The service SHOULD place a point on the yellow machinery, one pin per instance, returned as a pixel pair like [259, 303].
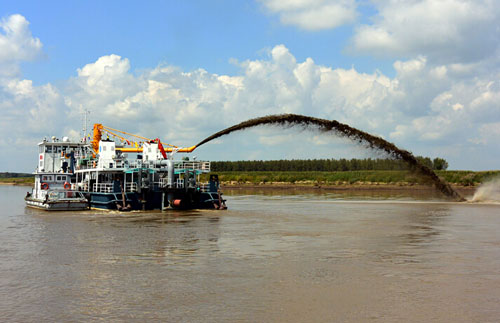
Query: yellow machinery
[99, 128]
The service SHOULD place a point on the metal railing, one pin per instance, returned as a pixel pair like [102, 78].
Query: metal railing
[202, 166]
[192, 165]
[179, 183]
[64, 195]
[130, 187]
[204, 187]
[94, 163]
[108, 187]
[163, 182]
[136, 164]
[103, 187]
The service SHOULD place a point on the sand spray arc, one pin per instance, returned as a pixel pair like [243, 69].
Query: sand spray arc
[343, 130]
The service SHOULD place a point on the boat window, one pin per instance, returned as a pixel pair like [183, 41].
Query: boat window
[103, 148]
[44, 178]
[59, 178]
[48, 149]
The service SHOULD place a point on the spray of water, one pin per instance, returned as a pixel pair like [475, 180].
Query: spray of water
[343, 130]
[488, 192]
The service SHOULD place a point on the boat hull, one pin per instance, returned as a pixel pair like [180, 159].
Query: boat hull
[156, 200]
[57, 205]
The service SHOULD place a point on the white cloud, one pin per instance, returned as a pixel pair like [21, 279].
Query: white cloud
[459, 113]
[446, 31]
[313, 14]
[16, 45]
[23, 106]
[422, 103]
[489, 133]
[16, 41]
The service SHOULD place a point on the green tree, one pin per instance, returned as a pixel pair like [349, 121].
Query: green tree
[439, 164]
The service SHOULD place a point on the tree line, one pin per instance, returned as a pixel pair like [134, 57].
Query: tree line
[12, 175]
[327, 165]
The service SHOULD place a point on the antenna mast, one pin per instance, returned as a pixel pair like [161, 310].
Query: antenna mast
[85, 120]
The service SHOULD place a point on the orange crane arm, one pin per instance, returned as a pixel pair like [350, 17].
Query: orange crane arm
[97, 137]
[99, 128]
[168, 150]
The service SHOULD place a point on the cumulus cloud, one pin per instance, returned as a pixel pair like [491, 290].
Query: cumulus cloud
[20, 102]
[457, 110]
[423, 102]
[29, 113]
[26, 110]
[16, 41]
[16, 45]
[313, 14]
[447, 31]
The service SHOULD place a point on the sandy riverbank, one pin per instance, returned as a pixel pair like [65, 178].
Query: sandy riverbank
[464, 190]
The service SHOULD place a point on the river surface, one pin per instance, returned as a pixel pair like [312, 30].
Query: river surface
[272, 257]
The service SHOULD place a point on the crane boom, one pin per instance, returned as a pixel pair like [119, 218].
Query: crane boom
[168, 150]
[99, 128]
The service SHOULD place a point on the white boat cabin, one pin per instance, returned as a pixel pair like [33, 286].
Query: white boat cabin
[56, 165]
[58, 156]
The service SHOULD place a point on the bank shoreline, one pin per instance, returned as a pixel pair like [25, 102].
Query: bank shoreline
[16, 184]
[470, 189]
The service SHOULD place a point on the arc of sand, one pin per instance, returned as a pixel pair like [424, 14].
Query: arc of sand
[347, 131]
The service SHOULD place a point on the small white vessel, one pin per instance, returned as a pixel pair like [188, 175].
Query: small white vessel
[58, 200]
[52, 190]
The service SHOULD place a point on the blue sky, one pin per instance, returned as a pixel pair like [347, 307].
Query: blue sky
[422, 74]
[189, 34]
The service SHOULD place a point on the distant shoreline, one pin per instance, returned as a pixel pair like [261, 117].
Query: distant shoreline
[16, 184]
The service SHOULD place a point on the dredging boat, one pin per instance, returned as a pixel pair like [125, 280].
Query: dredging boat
[120, 174]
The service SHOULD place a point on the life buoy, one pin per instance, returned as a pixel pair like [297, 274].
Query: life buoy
[67, 186]
[44, 186]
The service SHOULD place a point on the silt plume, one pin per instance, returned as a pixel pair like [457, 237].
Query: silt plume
[343, 130]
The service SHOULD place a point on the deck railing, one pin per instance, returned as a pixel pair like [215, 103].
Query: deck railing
[202, 166]
[64, 195]
[103, 187]
[204, 187]
[130, 187]
[192, 165]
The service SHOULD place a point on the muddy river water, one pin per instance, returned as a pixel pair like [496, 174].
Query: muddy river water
[282, 257]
